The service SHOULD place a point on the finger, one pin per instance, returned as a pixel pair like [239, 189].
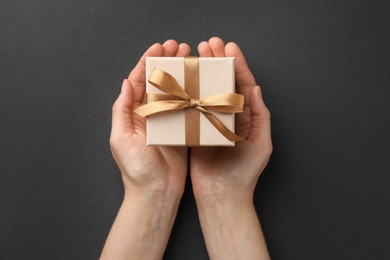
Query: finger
[217, 47]
[137, 75]
[183, 50]
[155, 50]
[204, 49]
[260, 132]
[244, 76]
[122, 110]
[170, 48]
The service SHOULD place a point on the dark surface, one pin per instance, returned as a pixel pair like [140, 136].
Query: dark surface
[324, 69]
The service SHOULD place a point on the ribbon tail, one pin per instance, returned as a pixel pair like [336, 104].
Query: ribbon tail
[220, 126]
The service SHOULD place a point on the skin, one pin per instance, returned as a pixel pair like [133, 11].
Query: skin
[223, 179]
[153, 177]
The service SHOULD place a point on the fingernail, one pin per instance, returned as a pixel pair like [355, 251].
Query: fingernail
[259, 91]
[124, 85]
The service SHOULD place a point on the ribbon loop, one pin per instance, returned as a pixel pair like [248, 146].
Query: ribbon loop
[167, 83]
[178, 98]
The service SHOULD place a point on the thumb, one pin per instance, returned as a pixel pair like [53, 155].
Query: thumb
[260, 132]
[122, 110]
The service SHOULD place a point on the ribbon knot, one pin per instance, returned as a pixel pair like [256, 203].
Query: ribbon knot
[194, 103]
[177, 98]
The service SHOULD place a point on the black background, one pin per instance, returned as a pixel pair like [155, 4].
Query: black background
[324, 70]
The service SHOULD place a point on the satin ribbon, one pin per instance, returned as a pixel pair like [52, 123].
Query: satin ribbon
[178, 98]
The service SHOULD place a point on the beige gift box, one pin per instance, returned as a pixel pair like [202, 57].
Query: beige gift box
[216, 76]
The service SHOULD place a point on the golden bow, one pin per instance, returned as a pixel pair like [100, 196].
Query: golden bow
[178, 98]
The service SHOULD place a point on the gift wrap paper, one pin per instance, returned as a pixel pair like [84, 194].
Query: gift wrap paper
[216, 76]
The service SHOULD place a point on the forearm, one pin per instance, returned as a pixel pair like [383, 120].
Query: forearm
[231, 229]
[142, 227]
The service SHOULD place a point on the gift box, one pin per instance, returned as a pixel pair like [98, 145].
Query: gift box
[191, 101]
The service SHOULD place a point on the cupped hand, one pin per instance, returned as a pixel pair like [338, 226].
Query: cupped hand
[232, 172]
[145, 170]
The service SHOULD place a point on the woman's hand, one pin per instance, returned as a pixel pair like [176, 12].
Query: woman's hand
[145, 169]
[224, 171]
[153, 177]
[224, 178]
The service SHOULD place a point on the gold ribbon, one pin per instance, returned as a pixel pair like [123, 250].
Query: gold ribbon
[187, 99]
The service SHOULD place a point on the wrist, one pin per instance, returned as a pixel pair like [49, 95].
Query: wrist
[148, 186]
[169, 200]
[142, 227]
[223, 196]
[231, 228]
[225, 203]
